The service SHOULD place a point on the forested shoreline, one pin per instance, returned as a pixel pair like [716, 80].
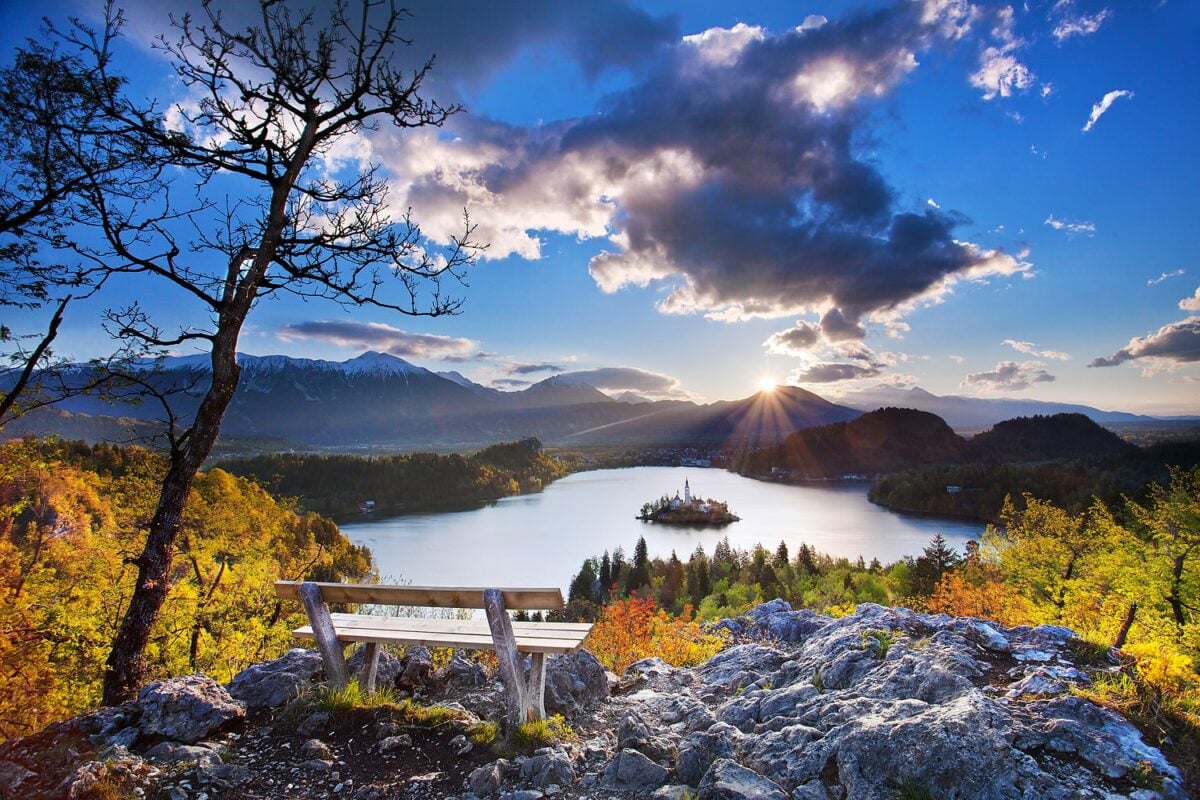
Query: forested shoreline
[339, 485]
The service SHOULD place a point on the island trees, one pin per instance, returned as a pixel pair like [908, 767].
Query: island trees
[250, 200]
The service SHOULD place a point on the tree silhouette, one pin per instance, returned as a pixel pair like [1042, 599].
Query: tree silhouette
[248, 200]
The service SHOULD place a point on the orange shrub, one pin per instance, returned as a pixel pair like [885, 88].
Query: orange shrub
[987, 598]
[633, 629]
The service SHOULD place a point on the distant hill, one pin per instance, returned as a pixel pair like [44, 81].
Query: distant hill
[1042, 438]
[976, 413]
[763, 419]
[882, 441]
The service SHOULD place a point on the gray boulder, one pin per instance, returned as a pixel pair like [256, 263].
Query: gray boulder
[740, 666]
[574, 682]
[463, 672]
[634, 734]
[314, 723]
[487, 779]
[276, 682]
[726, 780]
[548, 768]
[172, 753]
[697, 753]
[186, 709]
[630, 771]
[386, 669]
[416, 667]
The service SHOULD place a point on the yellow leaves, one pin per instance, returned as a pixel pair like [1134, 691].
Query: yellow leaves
[633, 629]
[987, 598]
[71, 516]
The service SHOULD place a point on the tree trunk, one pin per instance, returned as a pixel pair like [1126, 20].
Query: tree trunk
[126, 665]
[1122, 634]
[1175, 600]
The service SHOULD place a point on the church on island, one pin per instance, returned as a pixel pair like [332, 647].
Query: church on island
[687, 510]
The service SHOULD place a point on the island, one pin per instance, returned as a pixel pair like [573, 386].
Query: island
[687, 510]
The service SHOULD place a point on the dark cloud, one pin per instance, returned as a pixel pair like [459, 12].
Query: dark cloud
[378, 336]
[1009, 376]
[1178, 342]
[513, 383]
[832, 372]
[629, 379]
[794, 341]
[526, 369]
[474, 40]
[732, 171]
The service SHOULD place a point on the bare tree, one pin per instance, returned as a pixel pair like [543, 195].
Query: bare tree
[259, 210]
[58, 150]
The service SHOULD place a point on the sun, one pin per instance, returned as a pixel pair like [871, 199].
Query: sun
[766, 385]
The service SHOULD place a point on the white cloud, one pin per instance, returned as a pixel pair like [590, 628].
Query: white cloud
[1164, 276]
[1071, 228]
[1001, 72]
[932, 203]
[1105, 102]
[1081, 25]
[1029, 348]
[1191, 303]
[1009, 376]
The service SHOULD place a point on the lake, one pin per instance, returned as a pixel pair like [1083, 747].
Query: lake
[541, 539]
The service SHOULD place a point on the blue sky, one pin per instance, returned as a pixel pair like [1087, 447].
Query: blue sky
[838, 195]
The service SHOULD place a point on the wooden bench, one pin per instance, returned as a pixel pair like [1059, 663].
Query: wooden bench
[511, 640]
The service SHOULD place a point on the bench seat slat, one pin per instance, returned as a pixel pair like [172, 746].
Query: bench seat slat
[448, 639]
[516, 599]
[473, 625]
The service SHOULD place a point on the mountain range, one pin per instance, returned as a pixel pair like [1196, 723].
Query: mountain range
[377, 400]
[380, 401]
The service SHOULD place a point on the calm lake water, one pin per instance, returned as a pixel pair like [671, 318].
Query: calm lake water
[541, 539]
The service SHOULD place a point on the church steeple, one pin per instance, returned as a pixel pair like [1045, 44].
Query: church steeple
[687, 491]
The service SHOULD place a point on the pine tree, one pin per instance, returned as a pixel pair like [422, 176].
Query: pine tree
[606, 578]
[618, 569]
[583, 586]
[781, 555]
[805, 561]
[638, 575]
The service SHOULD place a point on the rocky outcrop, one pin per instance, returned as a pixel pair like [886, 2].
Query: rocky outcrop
[884, 701]
[575, 682]
[277, 682]
[878, 704]
[186, 709]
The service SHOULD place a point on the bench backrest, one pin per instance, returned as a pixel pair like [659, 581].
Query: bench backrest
[523, 599]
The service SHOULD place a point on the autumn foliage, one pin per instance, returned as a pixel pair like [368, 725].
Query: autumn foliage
[71, 519]
[635, 628]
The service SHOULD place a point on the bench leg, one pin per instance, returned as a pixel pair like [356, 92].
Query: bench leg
[535, 690]
[332, 657]
[519, 699]
[370, 665]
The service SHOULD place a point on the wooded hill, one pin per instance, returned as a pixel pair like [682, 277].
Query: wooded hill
[926, 467]
[335, 484]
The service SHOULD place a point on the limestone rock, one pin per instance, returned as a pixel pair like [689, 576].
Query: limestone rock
[172, 753]
[634, 734]
[415, 668]
[315, 748]
[277, 682]
[463, 672]
[630, 771]
[487, 779]
[726, 780]
[574, 682]
[186, 709]
[314, 723]
[546, 768]
[697, 753]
